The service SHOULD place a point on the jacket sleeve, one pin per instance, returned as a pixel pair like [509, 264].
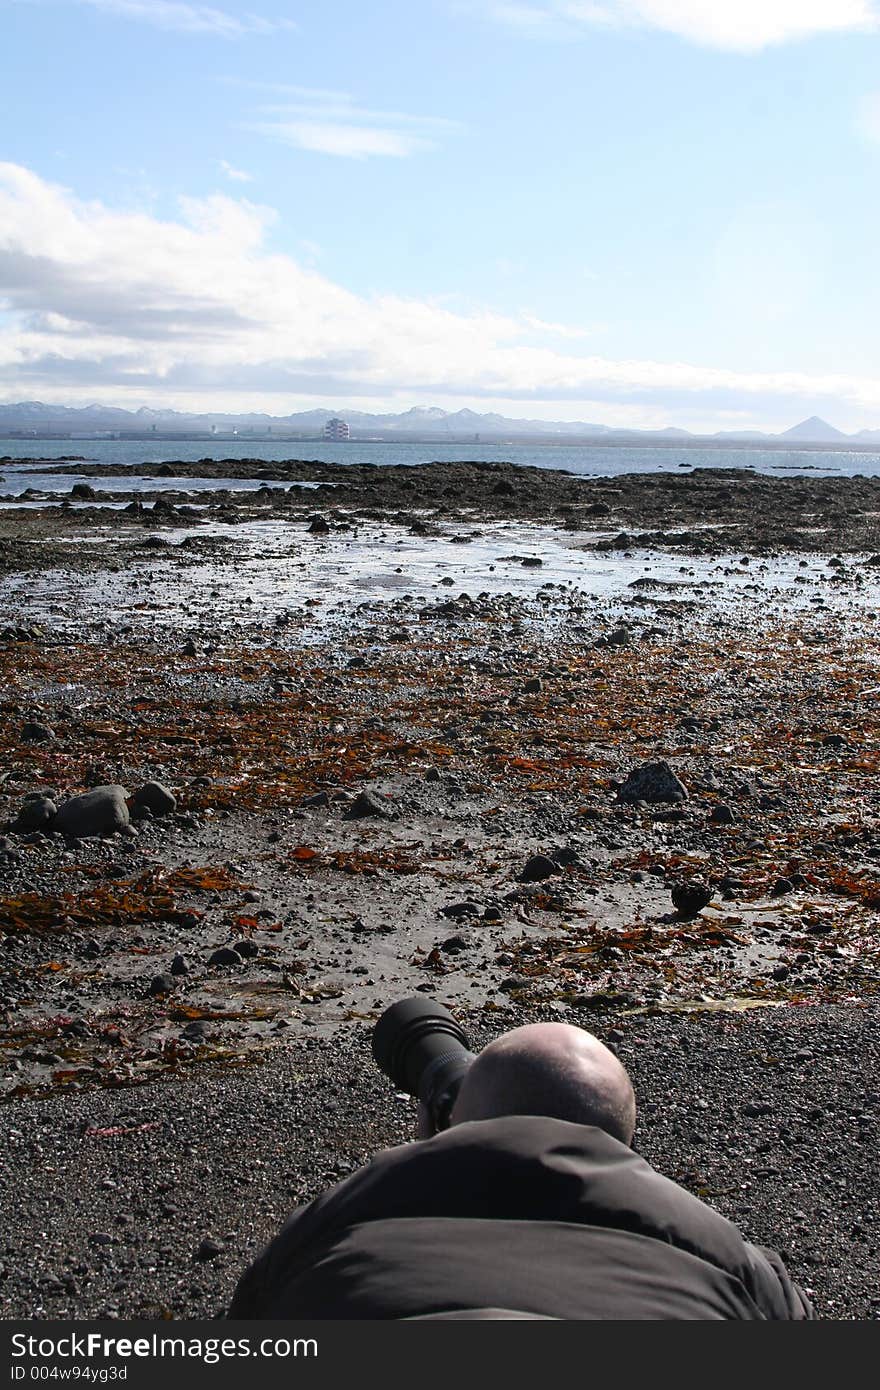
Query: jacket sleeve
[768, 1263]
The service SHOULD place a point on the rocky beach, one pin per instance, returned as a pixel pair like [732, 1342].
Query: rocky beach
[285, 742]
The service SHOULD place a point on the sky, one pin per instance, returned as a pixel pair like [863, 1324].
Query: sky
[627, 212]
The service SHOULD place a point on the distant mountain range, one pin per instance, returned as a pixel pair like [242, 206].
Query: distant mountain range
[36, 420]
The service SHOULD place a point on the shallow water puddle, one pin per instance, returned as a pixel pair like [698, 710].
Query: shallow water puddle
[272, 568]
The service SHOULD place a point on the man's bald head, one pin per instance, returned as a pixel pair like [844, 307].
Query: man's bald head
[549, 1069]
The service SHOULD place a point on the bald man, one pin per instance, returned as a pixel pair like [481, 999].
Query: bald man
[531, 1205]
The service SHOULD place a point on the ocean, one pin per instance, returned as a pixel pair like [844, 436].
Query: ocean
[592, 460]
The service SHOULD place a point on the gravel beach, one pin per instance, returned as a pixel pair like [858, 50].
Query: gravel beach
[598, 750]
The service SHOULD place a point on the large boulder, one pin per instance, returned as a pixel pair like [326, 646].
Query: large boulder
[652, 782]
[102, 811]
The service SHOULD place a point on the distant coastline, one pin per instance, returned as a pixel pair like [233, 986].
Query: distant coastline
[772, 444]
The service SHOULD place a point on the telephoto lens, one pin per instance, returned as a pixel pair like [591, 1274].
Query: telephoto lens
[420, 1046]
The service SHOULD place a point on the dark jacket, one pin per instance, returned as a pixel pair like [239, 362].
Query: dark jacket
[531, 1216]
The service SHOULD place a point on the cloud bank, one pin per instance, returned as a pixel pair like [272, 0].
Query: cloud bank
[98, 303]
[741, 26]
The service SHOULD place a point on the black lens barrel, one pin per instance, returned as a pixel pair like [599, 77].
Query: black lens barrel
[410, 1036]
[421, 1047]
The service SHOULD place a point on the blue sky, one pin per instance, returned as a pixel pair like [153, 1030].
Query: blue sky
[636, 212]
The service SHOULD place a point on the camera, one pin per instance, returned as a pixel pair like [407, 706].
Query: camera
[421, 1047]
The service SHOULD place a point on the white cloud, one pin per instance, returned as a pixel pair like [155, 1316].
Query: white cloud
[333, 123]
[339, 138]
[235, 175]
[104, 303]
[738, 25]
[556, 330]
[185, 18]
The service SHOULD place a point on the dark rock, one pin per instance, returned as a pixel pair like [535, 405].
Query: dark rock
[722, 815]
[101, 811]
[365, 804]
[225, 955]
[691, 897]
[605, 999]
[246, 948]
[531, 562]
[196, 1031]
[84, 492]
[453, 945]
[319, 799]
[781, 886]
[155, 798]
[161, 984]
[464, 909]
[533, 686]
[318, 526]
[37, 733]
[652, 782]
[537, 868]
[754, 1109]
[35, 813]
[179, 965]
[210, 1249]
[565, 855]
[432, 775]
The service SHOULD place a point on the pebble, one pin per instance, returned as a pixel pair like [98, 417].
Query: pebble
[537, 868]
[652, 782]
[34, 732]
[319, 799]
[462, 909]
[225, 955]
[210, 1248]
[156, 798]
[755, 1109]
[365, 804]
[690, 897]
